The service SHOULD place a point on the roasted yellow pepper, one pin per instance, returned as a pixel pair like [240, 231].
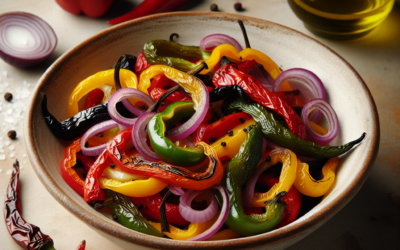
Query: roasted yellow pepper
[286, 179]
[137, 188]
[307, 185]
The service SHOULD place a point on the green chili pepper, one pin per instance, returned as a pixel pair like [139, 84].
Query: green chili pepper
[282, 136]
[127, 214]
[173, 54]
[237, 174]
[164, 147]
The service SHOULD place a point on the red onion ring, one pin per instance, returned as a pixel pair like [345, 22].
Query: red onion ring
[139, 137]
[39, 39]
[309, 85]
[326, 109]
[248, 190]
[196, 216]
[194, 122]
[221, 219]
[94, 151]
[212, 41]
[176, 190]
[122, 94]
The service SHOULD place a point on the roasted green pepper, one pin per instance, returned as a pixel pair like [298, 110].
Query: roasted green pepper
[164, 147]
[127, 214]
[173, 54]
[237, 174]
[277, 133]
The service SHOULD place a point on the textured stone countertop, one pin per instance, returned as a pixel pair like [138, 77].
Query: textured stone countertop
[370, 221]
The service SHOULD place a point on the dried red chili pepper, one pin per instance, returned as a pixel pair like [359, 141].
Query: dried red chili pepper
[229, 75]
[26, 235]
[292, 199]
[151, 206]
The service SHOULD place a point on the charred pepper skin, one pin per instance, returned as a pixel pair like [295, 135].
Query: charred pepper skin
[237, 174]
[125, 62]
[275, 132]
[127, 214]
[77, 125]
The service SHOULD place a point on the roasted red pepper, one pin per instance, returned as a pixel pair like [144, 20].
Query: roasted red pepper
[160, 84]
[149, 7]
[141, 64]
[229, 75]
[91, 8]
[292, 199]
[151, 206]
[94, 98]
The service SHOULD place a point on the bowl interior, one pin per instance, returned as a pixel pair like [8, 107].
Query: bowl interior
[347, 93]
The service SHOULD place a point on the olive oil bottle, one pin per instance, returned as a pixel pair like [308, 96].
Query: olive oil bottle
[343, 19]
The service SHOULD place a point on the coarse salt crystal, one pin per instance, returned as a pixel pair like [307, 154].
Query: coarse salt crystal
[9, 172]
[7, 143]
[1, 150]
[2, 157]
[12, 155]
[24, 155]
[11, 147]
[1, 170]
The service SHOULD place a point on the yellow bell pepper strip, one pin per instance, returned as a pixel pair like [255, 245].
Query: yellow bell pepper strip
[128, 80]
[135, 188]
[192, 231]
[307, 185]
[116, 173]
[317, 128]
[286, 179]
[226, 234]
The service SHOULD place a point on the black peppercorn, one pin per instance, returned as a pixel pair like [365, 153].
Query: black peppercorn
[12, 134]
[211, 140]
[230, 133]
[112, 165]
[268, 159]
[214, 7]
[223, 144]
[238, 6]
[143, 107]
[241, 120]
[245, 130]
[8, 97]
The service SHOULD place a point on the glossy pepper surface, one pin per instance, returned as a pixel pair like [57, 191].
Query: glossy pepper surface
[229, 75]
[307, 185]
[164, 147]
[150, 206]
[91, 8]
[131, 162]
[276, 133]
[68, 172]
[286, 179]
[127, 214]
[237, 174]
[127, 77]
[134, 188]
[173, 54]
[160, 84]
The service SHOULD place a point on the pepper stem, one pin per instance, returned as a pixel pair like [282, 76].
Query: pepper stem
[157, 104]
[171, 37]
[163, 215]
[246, 39]
[198, 68]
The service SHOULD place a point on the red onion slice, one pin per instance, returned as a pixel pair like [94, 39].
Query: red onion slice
[139, 137]
[221, 219]
[326, 109]
[212, 41]
[122, 94]
[176, 190]
[25, 39]
[196, 216]
[248, 190]
[94, 151]
[309, 85]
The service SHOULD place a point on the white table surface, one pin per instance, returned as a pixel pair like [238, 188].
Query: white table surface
[370, 221]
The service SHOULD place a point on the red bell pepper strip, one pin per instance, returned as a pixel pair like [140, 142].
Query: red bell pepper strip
[160, 84]
[229, 75]
[67, 172]
[141, 64]
[131, 162]
[91, 8]
[292, 199]
[148, 7]
[94, 98]
[151, 206]
[86, 161]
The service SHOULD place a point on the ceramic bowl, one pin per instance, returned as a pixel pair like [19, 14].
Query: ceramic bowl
[347, 93]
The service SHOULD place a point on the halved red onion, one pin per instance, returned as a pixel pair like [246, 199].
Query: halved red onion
[221, 219]
[176, 190]
[326, 109]
[25, 39]
[309, 85]
[122, 94]
[201, 106]
[139, 137]
[212, 41]
[98, 128]
[196, 216]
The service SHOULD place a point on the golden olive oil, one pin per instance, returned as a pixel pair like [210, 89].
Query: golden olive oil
[341, 18]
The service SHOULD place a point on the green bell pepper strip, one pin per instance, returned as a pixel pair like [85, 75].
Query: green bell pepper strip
[127, 214]
[164, 147]
[237, 174]
[173, 54]
[277, 133]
